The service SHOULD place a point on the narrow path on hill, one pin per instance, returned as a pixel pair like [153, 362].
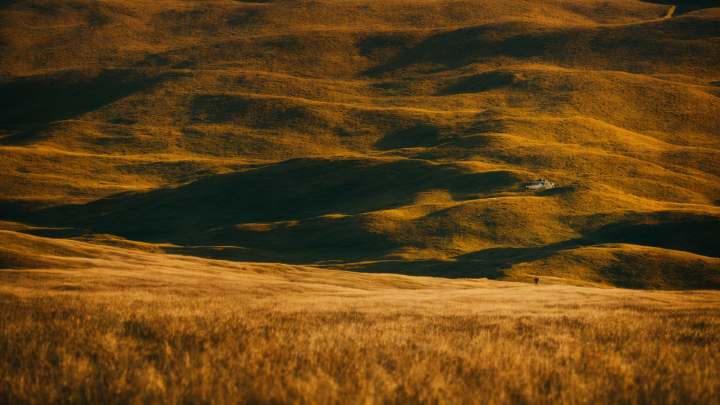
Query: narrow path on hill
[670, 12]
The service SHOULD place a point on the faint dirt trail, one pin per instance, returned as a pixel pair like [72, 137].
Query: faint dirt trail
[670, 12]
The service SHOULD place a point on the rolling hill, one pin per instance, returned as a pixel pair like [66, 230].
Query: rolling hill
[392, 136]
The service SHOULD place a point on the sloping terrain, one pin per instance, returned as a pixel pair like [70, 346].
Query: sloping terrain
[87, 324]
[392, 136]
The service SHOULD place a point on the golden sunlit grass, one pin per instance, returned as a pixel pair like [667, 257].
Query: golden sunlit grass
[378, 136]
[121, 326]
[369, 134]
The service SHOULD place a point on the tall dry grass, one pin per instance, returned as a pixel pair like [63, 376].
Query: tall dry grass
[192, 331]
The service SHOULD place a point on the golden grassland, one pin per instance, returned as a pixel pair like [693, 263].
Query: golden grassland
[158, 157]
[98, 324]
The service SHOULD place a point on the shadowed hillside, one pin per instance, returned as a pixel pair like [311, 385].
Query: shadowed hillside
[376, 136]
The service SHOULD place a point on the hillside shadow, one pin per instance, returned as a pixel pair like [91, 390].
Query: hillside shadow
[257, 112]
[417, 136]
[562, 46]
[499, 259]
[347, 239]
[430, 268]
[461, 47]
[688, 232]
[698, 234]
[57, 233]
[480, 83]
[10, 208]
[39, 100]
[288, 191]
[327, 238]
[6, 3]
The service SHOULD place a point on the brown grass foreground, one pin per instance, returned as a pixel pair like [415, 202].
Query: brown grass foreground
[122, 326]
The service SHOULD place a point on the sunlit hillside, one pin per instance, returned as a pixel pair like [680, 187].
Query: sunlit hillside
[377, 136]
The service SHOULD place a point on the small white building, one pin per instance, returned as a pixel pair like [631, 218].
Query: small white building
[541, 184]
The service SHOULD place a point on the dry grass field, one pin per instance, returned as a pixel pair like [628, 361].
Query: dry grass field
[108, 325]
[323, 201]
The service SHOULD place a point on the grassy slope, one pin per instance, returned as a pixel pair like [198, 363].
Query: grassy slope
[83, 323]
[410, 127]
